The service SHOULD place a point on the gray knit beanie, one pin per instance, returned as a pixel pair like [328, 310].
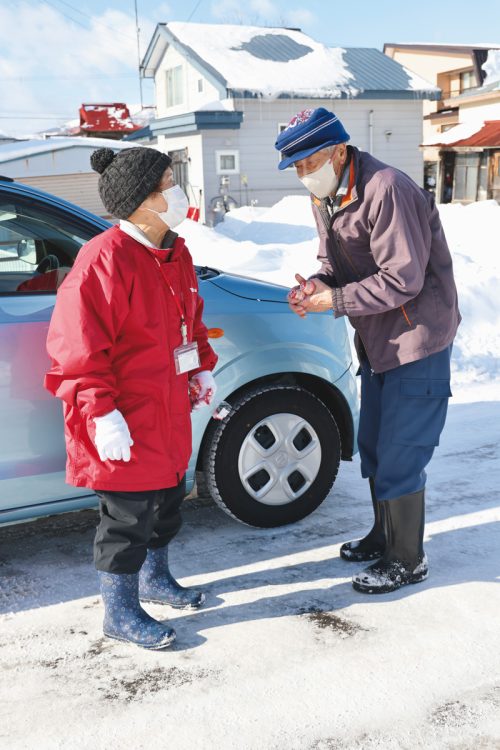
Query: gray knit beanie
[128, 177]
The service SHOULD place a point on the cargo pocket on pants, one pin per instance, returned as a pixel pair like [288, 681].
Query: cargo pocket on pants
[421, 412]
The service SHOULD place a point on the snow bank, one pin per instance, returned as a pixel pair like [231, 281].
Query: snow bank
[273, 244]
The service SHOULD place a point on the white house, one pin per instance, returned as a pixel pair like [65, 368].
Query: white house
[60, 166]
[224, 92]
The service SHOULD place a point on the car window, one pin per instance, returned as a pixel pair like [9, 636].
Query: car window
[38, 245]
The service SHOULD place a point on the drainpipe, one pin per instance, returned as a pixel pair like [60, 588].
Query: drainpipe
[370, 131]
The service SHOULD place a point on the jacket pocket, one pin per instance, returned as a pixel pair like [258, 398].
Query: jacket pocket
[140, 413]
[421, 412]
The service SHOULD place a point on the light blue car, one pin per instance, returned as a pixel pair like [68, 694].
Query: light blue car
[290, 382]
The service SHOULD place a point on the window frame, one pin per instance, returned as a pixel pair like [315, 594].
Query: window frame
[173, 88]
[227, 152]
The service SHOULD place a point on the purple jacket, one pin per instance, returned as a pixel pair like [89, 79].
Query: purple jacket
[385, 256]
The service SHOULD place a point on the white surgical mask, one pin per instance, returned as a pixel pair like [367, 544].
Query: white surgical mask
[178, 205]
[322, 182]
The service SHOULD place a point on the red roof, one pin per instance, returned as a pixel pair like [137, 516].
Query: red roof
[487, 136]
[106, 118]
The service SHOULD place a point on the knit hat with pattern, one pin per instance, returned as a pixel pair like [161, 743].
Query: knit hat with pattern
[128, 177]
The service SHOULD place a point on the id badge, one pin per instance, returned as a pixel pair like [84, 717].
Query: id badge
[186, 358]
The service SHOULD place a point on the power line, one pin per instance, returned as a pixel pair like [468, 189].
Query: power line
[86, 15]
[194, 10]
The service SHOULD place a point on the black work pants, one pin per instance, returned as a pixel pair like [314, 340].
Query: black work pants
[132, 522]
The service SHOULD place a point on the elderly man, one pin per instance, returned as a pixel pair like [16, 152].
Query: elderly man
[386, 265]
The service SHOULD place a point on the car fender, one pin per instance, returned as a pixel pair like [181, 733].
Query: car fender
[252, 366]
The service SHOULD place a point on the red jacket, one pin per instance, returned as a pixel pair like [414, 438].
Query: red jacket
[111, 340]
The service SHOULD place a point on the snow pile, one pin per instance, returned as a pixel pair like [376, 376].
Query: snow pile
[492, 67]
[473, 233]
[273, 244]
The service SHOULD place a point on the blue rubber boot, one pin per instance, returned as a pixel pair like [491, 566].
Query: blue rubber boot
[156, 583]
[125, 619]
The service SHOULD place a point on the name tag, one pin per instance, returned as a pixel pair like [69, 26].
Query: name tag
[186, 358]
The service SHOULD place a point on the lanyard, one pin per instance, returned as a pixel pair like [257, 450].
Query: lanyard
[177, 304]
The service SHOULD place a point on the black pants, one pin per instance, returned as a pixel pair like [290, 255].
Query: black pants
[132, 522]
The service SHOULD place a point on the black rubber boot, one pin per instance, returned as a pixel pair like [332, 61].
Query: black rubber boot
[404, 560]
[372, 546]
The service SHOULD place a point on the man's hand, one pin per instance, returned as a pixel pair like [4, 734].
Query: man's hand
[309, 296]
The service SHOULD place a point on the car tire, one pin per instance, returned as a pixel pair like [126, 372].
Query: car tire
[274, 458]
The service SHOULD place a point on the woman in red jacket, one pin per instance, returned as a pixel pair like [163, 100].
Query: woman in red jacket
[127, 344]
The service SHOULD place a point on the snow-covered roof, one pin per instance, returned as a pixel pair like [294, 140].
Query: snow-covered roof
[273, 62]
[456, 133]
[25, 149]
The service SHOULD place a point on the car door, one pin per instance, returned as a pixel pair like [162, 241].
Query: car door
[39, 240]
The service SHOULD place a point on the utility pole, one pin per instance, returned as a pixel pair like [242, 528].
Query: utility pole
[137, 31]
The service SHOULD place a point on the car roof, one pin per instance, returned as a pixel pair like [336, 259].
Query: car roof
[7, 185]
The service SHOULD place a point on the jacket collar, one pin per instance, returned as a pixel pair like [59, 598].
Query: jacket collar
[175, 243]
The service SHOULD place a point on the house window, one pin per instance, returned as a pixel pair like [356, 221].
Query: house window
[227, 162]
[467, 80]
[466, 177]
[175, 86]
[281, 127]
[200, 85]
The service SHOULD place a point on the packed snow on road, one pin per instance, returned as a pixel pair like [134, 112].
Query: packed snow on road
[285, 653]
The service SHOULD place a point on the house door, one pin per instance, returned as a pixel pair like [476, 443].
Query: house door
[180, 168]
[495, 177]
[448, 170]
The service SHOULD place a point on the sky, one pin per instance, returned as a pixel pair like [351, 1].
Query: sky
[56, 54]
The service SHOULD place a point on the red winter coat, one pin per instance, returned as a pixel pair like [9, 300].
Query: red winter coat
[111, 340]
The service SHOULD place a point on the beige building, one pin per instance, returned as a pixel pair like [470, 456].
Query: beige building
[461, 131]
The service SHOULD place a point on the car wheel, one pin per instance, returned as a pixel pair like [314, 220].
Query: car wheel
[274, 458]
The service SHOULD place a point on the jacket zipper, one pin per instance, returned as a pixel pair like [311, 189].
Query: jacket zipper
[403, 310]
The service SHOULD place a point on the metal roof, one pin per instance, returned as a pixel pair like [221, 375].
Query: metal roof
[374, 71]
[275, 47]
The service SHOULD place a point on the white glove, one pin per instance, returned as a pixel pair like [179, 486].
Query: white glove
[202, 389]
[112, 437]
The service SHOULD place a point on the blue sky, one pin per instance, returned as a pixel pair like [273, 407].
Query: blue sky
[55, 54]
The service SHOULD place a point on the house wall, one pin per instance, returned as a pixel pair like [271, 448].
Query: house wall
[193, 99]
[259, 159]
[429, 64]
[480, 111]
[79, 188]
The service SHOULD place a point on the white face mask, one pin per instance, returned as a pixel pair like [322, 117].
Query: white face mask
[178, 205]
[322, 182]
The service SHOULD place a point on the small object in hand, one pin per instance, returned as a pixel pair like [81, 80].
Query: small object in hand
[207, 396]
[222, 411]
[194, 391]
[298, 293]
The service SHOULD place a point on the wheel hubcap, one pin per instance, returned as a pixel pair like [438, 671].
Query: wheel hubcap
[279, 459]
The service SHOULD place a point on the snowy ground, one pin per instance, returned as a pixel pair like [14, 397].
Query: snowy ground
[285, 654]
